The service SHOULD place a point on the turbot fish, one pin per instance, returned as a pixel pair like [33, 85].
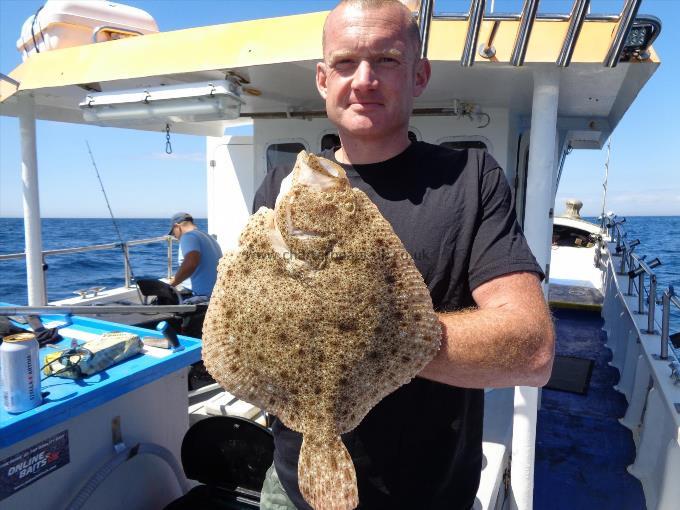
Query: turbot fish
[318, 315]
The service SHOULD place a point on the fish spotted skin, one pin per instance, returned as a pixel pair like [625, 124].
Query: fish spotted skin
[318, 315]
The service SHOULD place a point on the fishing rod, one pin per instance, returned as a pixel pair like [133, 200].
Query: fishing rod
[115, 224]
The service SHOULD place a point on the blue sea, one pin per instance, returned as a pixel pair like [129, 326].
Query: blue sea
[67, 273]
[659, 236]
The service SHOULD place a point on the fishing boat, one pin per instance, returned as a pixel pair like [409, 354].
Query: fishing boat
[528, 88]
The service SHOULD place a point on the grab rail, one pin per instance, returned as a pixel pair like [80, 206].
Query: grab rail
[666, 300]
[638, 268]
[625, 21]
[127, 273]
[639, 272]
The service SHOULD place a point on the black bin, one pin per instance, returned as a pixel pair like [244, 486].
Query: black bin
[230, 457]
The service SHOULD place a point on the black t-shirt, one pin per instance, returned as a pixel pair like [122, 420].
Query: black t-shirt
[421, 446]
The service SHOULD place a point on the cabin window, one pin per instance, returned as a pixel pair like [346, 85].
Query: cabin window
[330, 141]
[464, 144]
[283, 155]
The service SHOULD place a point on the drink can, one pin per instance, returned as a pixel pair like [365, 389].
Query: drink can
[20, 372]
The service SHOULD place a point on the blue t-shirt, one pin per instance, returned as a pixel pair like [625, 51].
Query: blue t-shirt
[203, 278]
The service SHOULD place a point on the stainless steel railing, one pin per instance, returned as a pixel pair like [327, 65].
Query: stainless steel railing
[667, 299]
[638, 269]
[625, 22]
[125, 246]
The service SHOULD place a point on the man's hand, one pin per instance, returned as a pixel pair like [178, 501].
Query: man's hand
[189, 265]
[508, 340]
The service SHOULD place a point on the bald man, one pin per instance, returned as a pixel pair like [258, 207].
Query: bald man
[421, 447]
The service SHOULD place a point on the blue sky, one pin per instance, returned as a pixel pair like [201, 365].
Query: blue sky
[142, 181]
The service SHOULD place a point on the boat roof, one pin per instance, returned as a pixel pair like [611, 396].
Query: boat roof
[275, 59]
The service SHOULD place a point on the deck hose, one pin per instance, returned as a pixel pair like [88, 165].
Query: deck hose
[97, 478]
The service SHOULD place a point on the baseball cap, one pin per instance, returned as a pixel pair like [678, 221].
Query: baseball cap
[179, 218]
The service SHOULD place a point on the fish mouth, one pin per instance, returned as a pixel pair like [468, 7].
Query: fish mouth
[303, 235]
[318, 173]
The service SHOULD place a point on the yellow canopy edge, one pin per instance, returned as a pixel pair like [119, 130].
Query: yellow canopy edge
[275, 40]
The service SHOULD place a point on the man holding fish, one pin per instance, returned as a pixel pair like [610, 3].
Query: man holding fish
[420, 447]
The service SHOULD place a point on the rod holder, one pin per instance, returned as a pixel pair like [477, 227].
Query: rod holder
[655, 262]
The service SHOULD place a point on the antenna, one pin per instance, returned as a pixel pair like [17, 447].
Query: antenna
[606, 178]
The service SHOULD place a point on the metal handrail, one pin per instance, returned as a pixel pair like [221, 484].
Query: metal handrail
[639, 272]
[92, 247]
[666, 300]
[598, 18]
[625, 250]
[95, 309]
[519, 51]
[108, 246]
[622, 30]
[474, 24]
[576, 19]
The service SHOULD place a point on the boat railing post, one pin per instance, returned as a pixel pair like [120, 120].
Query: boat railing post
[44, 276]
[31, 199]
[169, 257]
[641, 292]
[651, 302]
[126, 258]
[665, 322]
[631, 277]
[622, 267]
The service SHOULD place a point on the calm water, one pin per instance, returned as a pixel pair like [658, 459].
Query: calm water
[660, 237]
[67, 273]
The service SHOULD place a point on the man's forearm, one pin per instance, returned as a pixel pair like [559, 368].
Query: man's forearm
[483, 348]
[187, 268]
[182, 274]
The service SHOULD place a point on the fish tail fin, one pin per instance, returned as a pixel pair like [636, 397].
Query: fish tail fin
[326, 474]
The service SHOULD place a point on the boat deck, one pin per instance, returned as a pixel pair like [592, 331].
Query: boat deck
[579, 297]
[581, 449]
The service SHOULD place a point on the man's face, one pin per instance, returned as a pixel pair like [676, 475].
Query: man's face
[371, 73]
